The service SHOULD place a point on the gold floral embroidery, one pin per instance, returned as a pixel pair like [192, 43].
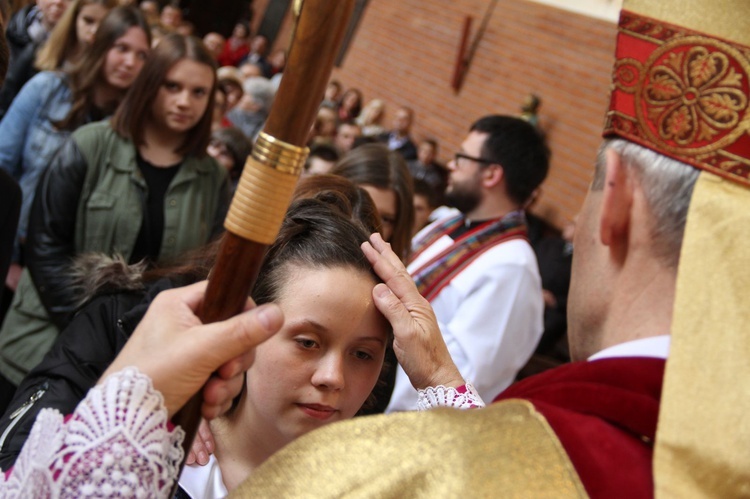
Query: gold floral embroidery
[694, 95]
[627, 74]
[683, 94]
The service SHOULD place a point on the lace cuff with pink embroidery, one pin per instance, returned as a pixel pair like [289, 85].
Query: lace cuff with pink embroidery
[117, 443]
[463, 397]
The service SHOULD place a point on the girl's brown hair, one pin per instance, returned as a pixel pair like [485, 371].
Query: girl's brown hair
[375, 165]
[63, 41]
[135, 109]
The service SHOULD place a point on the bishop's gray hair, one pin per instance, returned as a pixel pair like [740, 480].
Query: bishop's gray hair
[668, 187]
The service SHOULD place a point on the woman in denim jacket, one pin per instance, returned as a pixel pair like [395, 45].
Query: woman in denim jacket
[53, 104]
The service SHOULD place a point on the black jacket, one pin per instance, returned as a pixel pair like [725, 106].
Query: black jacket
[82, 352]
[17, 31]
[10, 209]
[408, 149]
[22, 56]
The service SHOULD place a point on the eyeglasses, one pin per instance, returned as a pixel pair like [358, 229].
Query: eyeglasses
[459, 156]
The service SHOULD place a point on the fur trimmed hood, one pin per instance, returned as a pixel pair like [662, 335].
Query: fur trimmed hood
[93, 274]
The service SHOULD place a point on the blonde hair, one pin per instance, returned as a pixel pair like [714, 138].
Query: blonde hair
[63, 42]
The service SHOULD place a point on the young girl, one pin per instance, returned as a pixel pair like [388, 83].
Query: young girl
[72, 34]
[385, 176]
[371, 118]
[315, 271]
[140, 186]
[323, 364]
[53, 104]
[350, 105]
[324, 360]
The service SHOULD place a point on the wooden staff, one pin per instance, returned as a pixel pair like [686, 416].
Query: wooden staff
[270, 175]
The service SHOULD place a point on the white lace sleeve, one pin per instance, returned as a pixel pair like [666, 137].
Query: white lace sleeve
[463, 397]
[116, 444]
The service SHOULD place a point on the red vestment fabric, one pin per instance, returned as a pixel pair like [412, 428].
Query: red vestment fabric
[604, 412]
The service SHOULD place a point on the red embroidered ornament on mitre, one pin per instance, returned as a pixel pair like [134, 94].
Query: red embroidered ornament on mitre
[683, 94]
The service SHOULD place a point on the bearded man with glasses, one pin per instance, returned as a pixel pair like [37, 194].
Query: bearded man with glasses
[477, 269]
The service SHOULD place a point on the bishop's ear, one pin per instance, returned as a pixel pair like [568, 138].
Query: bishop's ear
[617, 201]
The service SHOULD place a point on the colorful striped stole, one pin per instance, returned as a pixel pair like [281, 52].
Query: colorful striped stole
[436, 273]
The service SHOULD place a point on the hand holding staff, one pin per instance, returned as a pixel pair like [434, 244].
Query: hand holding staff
[271, 173]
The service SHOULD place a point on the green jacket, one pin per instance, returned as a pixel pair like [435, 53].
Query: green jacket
[95, 176]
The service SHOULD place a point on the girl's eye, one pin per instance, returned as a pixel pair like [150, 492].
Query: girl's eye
[200, 92]
[362, 355]
[171, 86]
[388, 220]
[306, 343]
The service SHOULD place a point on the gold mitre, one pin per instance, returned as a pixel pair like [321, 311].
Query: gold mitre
[681, 87]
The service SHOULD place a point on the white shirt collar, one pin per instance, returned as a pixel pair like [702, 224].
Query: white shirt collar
[203, 482]
[655, 346]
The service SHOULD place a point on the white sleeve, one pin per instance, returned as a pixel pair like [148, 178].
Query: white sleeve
[116, 444]
[463, 397]
[492, 327]
[491, 316]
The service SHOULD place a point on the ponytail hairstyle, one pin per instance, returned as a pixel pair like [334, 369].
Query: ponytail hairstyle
[318, 232]
[324, 231]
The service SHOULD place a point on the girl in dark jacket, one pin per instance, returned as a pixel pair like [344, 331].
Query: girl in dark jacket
[140, 186]
[54, 103]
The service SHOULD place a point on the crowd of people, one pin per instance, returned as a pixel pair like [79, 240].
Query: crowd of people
[395, 285]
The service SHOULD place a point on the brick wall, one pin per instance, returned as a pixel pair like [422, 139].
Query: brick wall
[405, 51]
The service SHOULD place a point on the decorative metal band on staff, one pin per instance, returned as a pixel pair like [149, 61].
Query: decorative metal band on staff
[263, 193]
[272, 171]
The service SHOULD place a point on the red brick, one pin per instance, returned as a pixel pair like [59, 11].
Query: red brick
[405, 50]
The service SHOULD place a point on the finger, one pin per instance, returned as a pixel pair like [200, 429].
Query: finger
[217, 391]
[372, 255]
[386, 267]
[370, 252]
[203, 444]
[236, 366]
[198, 449]
[401, 284]
[207, 435]
[191, 458]
[249, 304]
[391, 307]
[378, 242]
[238, 335]
[385, 251]
[191, 295]
[394, 274]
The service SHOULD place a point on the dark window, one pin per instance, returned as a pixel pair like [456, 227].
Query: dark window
[273, 19]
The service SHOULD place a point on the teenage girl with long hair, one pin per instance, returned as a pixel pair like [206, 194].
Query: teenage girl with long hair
[54, 103]
[140, 186]
[73, 34]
